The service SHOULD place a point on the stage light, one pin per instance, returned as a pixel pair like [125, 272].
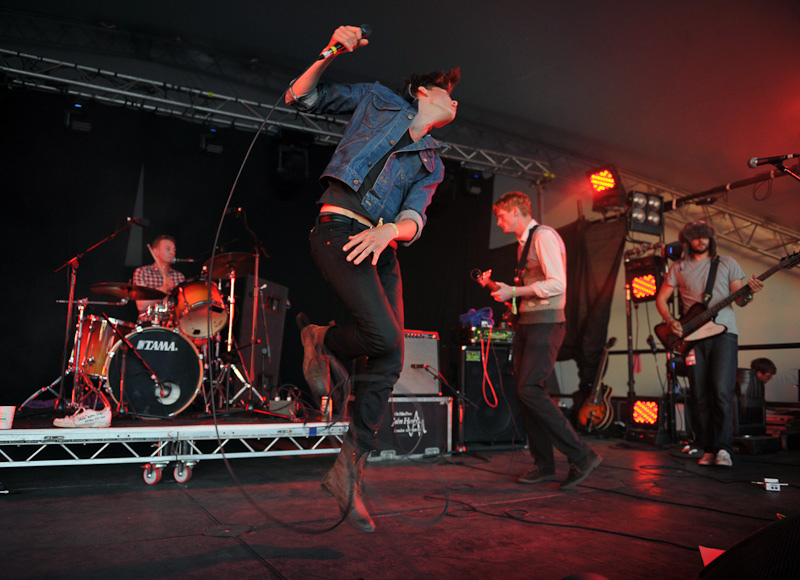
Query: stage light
[644, 277]
[645, 413]
[607, 190]
[645, 213]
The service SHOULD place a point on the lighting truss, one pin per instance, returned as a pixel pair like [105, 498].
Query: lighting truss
[212, 109]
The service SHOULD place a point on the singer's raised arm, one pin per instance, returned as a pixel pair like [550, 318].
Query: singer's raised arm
[350, 38]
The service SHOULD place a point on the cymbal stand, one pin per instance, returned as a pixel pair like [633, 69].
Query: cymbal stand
[227, 370]
[73, 264]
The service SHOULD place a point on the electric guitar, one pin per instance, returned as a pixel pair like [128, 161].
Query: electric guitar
[596, 411]
[511, 315]
[698, 322]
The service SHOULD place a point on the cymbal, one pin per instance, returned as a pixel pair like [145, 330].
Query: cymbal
[241, 263]
[128, 291]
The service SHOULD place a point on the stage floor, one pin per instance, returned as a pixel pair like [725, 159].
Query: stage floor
[644, 513]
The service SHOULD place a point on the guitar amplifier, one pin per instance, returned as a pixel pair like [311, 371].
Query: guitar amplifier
[486, 334]
[420, 365]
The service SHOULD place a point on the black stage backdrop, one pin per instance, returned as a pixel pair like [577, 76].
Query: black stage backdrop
[64, 191]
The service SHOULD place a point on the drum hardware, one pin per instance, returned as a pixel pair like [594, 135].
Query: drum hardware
[73, 264]
[90, 346]
[221, 376]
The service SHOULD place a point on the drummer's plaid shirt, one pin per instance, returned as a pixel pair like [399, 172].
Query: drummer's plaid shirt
[150, 276]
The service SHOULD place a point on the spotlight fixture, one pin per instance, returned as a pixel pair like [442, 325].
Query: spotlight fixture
[77, 118]
[645, 413]
[607, 190]
[645, 213]
[644, 277]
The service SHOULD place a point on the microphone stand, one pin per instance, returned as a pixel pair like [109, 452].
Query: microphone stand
[73, 264]
[258, 248]
[781, 167]
[438, 376]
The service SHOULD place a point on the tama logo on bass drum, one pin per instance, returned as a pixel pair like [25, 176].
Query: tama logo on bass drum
[159, 345]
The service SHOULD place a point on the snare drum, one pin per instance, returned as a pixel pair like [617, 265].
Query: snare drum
[97, 336]
[174, 360]
[199, 317]
[161, 313]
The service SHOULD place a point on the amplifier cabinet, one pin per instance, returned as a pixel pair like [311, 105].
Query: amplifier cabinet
[415, 427]
[421, 349]
[488, 417]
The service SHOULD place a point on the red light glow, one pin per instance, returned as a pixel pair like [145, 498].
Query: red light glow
[644, 286]
[602, 180]
[645, 412]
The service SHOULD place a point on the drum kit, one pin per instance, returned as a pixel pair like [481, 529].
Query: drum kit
[157, 371]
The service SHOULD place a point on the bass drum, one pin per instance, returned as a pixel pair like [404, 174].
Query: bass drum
[174, 360]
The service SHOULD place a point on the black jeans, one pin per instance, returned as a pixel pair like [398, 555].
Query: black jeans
[713, 382]
[374, 297]
[535, 351]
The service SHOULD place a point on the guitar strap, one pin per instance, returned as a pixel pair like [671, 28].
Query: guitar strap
[712, 276]
[523, 258]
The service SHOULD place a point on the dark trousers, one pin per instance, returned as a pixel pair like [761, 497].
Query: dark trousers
[374, 297]
[713, 381]
[535, 350]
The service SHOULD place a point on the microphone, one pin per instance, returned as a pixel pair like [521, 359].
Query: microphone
[233, 210]
[144, 222]
[366, 30]
[179, 260]
[419, 366]
[756, 161]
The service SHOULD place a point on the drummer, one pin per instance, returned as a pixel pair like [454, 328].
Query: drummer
[159, 275]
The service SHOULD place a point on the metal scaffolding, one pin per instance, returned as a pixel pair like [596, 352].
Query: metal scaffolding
[508, 156]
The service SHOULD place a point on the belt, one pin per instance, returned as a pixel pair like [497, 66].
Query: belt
[339, 218]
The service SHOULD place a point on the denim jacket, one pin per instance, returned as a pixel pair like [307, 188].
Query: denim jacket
[406, 185]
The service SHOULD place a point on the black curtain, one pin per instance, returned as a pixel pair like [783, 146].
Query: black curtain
[594, 255]
[64, 191]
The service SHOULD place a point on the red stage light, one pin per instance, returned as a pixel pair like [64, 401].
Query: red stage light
[602, 180]
[645, 412]
[644, 287]
[607, 190]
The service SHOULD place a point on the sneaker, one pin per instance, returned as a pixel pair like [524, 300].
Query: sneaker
[536, 475]
[723, 459]
[707, 459]
[86, 418]
[580, 470]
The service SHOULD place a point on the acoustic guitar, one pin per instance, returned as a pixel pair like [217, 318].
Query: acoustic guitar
[597, 412]
[698, 322]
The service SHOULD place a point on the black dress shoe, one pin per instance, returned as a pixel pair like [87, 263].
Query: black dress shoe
[580, 470]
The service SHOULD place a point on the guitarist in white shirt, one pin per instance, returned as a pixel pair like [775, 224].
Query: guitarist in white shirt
[713, 361]
[539, 333]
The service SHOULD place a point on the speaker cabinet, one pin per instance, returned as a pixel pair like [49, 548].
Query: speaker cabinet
[270, 319]
[488, 417]
[420, 365]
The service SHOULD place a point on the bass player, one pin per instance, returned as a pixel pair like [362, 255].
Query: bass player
[713, 360]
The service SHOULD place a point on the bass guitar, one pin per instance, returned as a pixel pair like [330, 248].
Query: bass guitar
[698, 322]
[597, 412]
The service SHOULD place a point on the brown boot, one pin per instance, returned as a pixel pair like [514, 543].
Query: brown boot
[343, 482]
[316, 365]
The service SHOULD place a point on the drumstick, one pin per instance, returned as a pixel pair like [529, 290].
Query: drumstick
[159, 266]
